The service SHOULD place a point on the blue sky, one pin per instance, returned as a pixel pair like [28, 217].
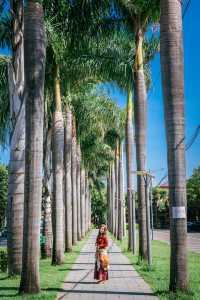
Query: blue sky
[156, 145]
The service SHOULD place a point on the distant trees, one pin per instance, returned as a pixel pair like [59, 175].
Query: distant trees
[193, 195]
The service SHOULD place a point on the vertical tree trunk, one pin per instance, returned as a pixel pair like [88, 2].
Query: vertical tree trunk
[129, 170]
[120, 194]
[140, 137]
[108, 202]
[86, 201]
[113, 187]
[78, 191]
[57, 160]
[90, 210]
[34, 43]
[47, 230]
[173, 91]
[82, 201]
[17, 145]
[68, 180]
[124, 202]
[87, 218]
[111, 197]
[74, 195]
[47, 196]
[116, 187]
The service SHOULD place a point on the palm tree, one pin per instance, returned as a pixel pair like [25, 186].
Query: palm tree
[116, 185]
[47, 195]
[74, 195]
[120, 195]
[109, 200]
[17, 142]
[82, 183]
[113, 187]
[173, 91]
[68, 185]
[57, 160]
[78, 187]
[34, 42]
[138, 16]
[86, 201]
[129, 169]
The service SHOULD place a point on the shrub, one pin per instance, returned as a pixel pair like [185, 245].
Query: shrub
[3, 260]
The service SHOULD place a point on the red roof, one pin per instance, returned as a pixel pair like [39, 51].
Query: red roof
[164, 185]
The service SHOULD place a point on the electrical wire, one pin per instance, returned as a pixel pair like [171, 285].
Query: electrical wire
[187, 147]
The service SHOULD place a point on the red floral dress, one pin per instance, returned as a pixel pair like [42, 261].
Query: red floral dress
[100, 272]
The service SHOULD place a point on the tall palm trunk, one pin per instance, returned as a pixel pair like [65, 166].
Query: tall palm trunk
[34, 42]
[78, 191]
[116, 187]
[124, 201]
[129, 170]
[86, 201]
[113, 187]
[74, 195]
[47, 196]
[173, 90]
[110, 198]
[90, 211]
[17, 145]
[140, 136]
[57, 160]
[82, 201]
[68, 180]
[120, 194]
[108, 201]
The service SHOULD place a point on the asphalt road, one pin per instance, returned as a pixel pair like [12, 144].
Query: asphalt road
[3, 242]
[193, 239]
[161, 235]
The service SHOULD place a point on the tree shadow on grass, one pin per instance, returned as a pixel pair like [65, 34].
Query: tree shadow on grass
[70, 269]
[4, 278]
[10, 288]
[173, 296]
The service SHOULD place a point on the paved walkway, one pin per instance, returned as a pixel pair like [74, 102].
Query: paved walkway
[193, 239]
[124, 282]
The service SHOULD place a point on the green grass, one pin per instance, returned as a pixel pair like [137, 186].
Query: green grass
[158, 275]
[51, 277]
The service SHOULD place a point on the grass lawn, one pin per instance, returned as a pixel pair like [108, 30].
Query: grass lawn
[158, 276]
[51, 278]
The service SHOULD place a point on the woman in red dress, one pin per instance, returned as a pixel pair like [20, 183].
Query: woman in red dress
[102, 262]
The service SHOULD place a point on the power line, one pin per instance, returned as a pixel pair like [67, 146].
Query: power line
[187, 147]
[193, 138]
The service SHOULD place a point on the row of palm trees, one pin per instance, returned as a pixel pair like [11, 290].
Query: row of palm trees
[70, 65]
[140, 16]
[57, 156]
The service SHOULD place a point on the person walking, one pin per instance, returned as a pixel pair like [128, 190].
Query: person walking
[101, 255]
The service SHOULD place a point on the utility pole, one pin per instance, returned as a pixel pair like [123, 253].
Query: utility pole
[147, 179]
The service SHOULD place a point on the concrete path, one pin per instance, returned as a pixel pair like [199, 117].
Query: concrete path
[193, 239]
[124, 282]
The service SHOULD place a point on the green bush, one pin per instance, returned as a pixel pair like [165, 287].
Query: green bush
[3, 260]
